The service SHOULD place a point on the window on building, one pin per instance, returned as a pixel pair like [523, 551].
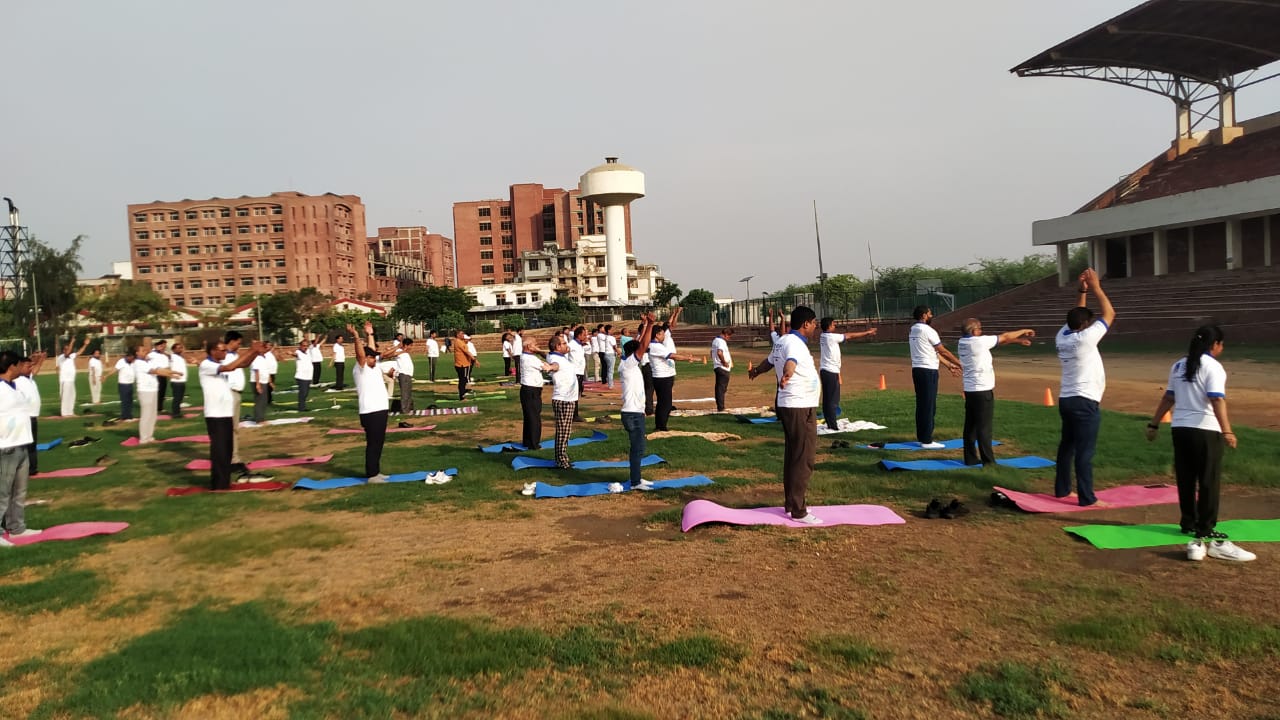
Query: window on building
[194, 267]
[278, 244]
[508, 254]
[245, 247]
[260, 211]
[193, 249]
[226, 247]
[175, 251]
[144, 269]
[600, 281]
[197, 284]
[548, 222]
[280, 262]
[144, 235]
[224, 212]
[173, 215]
[213, 283]
[483, 212]
[277, 210]
[486, 254]
[534, 297]
[520, 298]
[260, 247]
[191, 215]
[207, 214]
[246, 263]
[488, 281]
[264, 263]
[579, 229]
[162, 268]
[535, 264]
[140, 217]
[177, 284]
[282, 280]
[246, 281]
[228, 265]
[243, 229]
[277, 227]
[548, 208]
[160, 234]
[180, 302]
[177, 267]
[505, 211]
[508, 268]
[486, 240]
[485, 227]
[242, 212]
[507, 240]
[225, 230]
[197, 301]
[486, 269]
[507, 225]
[229, 299]
[210, 231]
[260, 229]
[210, 249]
[144, 252]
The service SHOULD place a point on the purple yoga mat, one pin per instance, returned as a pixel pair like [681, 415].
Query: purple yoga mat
[1118, 497]
[267, 464]
[133, 441]
[69, 472]
[704, 511]
[71, 531]
[357, 431]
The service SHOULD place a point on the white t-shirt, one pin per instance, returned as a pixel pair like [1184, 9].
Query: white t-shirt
[67, 368]
[802, 390]
[371, 389]
[157, 359]
[216, 388]
[660, 362]
[974, 353]
[339, 353]
[611, 345]
[1082, 372]
[433, 348]
[178, 364]
[302, 368]
[273, 363]
[404, 363]
[530, 367]
[235, 378]
[147, 382]
[829, 342]
[564, 382]
[723, 346]
[314, 353]
[124, 371]
[506, 348]
[27, 387]
[577, 357]
[15, 421]
[517, 345]
[471, 348]
[260, 370]
[1191, 399]
[923, 340]
[95, 368]
[632, 385]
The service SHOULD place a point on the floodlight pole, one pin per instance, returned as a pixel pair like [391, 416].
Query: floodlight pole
[822, 276]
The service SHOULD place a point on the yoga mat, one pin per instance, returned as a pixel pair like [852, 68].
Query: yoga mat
[846, 426]
[688, 400]
[756, 421]
[133, 441]
[705, 511]
[1031, 462]
[48, 445]
[470, 410]
[238, 487]
[69, 472]
[334, 483]
[71, 531]
[276, 421]
[1125, 537]
[594, 437]
[521, 462]
[358, 431]
[1117, 497]
[957, 444]
[545, 490]
[203, 464]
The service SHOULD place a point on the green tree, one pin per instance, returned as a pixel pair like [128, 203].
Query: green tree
[130, 302]
[563, 310]
[667, 294]
[699, 298]
[513, 321]
[427, 305]
[49, 280]
[840, 294]
[450, 321]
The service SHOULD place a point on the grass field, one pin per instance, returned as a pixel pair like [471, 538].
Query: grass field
[469, 600]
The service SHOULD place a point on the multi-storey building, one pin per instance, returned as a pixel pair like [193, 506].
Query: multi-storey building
[406, 257]
[491, 235]
[580, 272]
[201, 253]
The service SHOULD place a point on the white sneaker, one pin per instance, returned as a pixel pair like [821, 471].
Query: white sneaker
[644, 485]
[809, 519]
[1195, 550]
[32, 531]
[378, 479]
[439, 477]
[1226, 550]
[252, 477]
[615, 487]
[529, 489]
[5, 543]
[933, 446]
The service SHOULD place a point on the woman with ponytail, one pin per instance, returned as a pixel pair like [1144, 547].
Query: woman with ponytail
[1197, 394]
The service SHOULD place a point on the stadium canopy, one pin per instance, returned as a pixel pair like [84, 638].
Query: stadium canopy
[1185, 50]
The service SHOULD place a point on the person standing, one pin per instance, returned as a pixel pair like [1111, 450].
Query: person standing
[599, 345]
[95, 377]
[462, 362]
[1084, 380]
[339, 360]
[235, 379]
[26, 385]
[302, 373]
[633, 400]
[273, 369]
[159, 358]
[433, 353]
[404, 375]
[507, 357]
[722, 365]
[797, 410]
[15, 436]
[517, 343]
[610, 354]
[317, 359]
[564, 397]
[927, 351]
[372, 400]
[178, 378]
[577, 353]
[148, 384]
[1197, 394]
[475, 360]
[529, 369]
[67, 376]
[260, 379]
[220, 414]
[829, 366]
[974, 351]
[123, 371]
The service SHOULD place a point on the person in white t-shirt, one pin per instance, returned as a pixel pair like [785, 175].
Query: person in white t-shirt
[15, 436]
[303, 371]
[1084, 380]
[1196, 392]
[260, 379]
[373, 402]
[974, 351]
[662, 361]
[67, 376]
[433, 353]
[608, 353]
[927, 351]
[517, 343]
[576, 350]
[123, 370]
[159, 358]
[529, 369]
[220, 408]
[508, 360]
[147, 376]
[798, 388]
[95, 377]
[339, 361]
[633, 351]
[722, 365]
[564, 396]
[404, 374]
[26, 384]
[829, 365]
[271, 353]
[235, 380]
[178, 378]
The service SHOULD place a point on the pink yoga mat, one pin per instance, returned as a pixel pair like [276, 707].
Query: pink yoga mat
[69, 472]
[71, 531]
[238, 487]
[1118, 497]
[133, 441]
[704, 511]
[267, 464]
[357, 431]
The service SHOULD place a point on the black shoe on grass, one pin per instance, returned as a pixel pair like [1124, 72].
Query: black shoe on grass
[933, 510]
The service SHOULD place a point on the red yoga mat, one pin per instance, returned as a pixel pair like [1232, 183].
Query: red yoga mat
[238, 487]
[133, 441]
[70, 531]
[267, 464]
[69, 472]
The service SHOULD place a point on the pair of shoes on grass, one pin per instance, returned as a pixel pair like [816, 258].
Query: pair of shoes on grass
[86, 440]
[952, 510]
[838, 444]
[438, 477]
[1216, 545]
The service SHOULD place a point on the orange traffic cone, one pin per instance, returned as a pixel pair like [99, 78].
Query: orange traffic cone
[1048, 397]
[882, 385]
[1168, 417]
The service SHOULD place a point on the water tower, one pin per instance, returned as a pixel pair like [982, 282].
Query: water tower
[613, 185]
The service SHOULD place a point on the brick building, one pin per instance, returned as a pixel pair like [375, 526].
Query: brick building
[490, 235]
[201, 253]
[406, 257]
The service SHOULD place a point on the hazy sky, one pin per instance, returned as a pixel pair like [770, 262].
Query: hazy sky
[901, 121]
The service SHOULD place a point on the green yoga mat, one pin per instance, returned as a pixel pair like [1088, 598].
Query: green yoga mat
[1124, 537]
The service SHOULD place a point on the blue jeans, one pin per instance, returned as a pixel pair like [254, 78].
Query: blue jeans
[926, 382]
[126, 401]
[610, 360]
[633, 423]
[1080, 422]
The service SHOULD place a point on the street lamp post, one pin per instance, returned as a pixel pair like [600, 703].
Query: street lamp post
[747, 280]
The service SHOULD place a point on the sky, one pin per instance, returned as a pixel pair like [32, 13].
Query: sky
[901, 121]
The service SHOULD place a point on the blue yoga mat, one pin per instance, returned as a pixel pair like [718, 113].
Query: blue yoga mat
[761, 420]
[596, 436]
[49, 445]
[957, 444]
[521, 462]
[334, 483]
[1030, 462]
[544, 490]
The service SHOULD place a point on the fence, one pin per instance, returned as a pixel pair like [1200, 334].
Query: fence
[866, 305]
